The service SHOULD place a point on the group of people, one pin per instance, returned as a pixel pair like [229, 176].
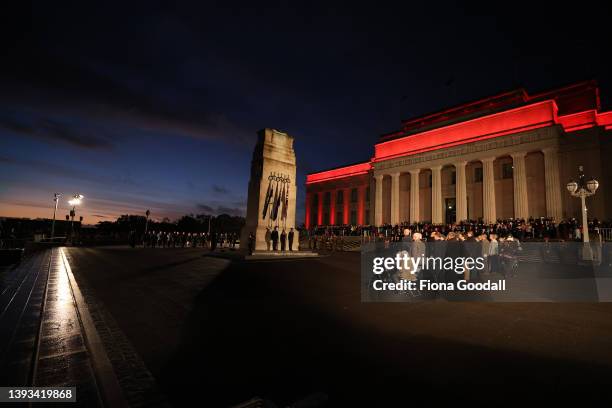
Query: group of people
[497, 254]
[273, 238]
[524, 230]
[330, 242]
[175, 239]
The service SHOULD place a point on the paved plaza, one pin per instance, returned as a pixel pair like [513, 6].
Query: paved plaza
[179, 322]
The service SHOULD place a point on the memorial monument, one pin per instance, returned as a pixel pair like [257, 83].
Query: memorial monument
[272, 190]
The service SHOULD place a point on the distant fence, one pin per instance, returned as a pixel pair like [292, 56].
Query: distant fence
[606, 234]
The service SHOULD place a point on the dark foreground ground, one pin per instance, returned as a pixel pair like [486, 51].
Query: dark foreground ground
[223, 332]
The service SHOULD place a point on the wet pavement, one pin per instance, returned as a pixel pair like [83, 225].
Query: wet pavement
[63, 359]
[22, 289]
[177, 324]
[42, 332]
[283, 330]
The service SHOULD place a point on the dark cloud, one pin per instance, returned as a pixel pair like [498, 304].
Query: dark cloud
[54, 131]
[219, 189]
[102, 92]
[13, 125]
[206, 208]
[44, 168]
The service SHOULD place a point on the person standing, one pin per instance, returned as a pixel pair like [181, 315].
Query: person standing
[283, 240]
[484, 242]
[275, 239]
[417, 250]
[473, 250]
[213, 241]
[251, 243]
[268, 238]
[493, 252]
[509, 253]
[290, 236]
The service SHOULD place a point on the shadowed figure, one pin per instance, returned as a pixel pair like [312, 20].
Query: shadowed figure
[268, 238]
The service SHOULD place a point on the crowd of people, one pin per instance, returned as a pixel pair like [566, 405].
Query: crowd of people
[533, 229]
[175, 239]
[500, 253]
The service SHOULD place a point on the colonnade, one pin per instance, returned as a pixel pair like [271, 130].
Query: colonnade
[519, 174]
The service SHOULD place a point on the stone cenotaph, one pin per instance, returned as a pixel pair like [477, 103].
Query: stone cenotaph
[272, 190]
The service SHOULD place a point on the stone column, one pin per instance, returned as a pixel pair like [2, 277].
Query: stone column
[347, 206]
[436, 195]
[488, 190]
[320, 209]
[415, 215]
[554, 206]
[519, 178]
[361, 205]
[395, 198]
[378, 202]
[308, 221]
[332, 208]
[461, 191]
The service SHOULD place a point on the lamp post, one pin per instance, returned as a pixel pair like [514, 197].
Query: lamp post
[582, 189]
[56, 197]
[76, 200]
[147, 213]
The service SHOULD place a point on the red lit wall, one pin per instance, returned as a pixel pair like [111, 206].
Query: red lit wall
[512, 121]
[308, 209]
[347, 207]
[342, 172]
[361, 205]
[320, 210]
[516, 120]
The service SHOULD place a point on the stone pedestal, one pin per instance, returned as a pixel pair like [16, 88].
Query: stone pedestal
[273, 157]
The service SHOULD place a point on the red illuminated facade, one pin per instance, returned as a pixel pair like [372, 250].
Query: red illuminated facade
[526, 147]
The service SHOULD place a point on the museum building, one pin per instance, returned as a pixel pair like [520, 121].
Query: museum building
[506, 156]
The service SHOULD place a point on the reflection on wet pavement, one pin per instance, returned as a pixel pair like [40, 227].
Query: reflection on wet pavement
[63, 359]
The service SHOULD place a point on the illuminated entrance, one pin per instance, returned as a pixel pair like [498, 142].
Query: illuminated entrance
[451, 210]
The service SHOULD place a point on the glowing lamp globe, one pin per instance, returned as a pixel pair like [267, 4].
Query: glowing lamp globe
[592, 185]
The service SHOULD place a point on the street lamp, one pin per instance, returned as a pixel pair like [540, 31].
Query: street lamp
[76, 200]
[56, 197]
[583, 188]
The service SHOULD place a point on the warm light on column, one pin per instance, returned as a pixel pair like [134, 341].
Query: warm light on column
[308, 204]
[347, 206]
[332, 207]
[320, 209]
[361, 205]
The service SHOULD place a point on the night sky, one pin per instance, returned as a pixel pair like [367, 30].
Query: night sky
[139, 106]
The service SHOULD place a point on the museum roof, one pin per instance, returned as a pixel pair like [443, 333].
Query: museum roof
[577, 97]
